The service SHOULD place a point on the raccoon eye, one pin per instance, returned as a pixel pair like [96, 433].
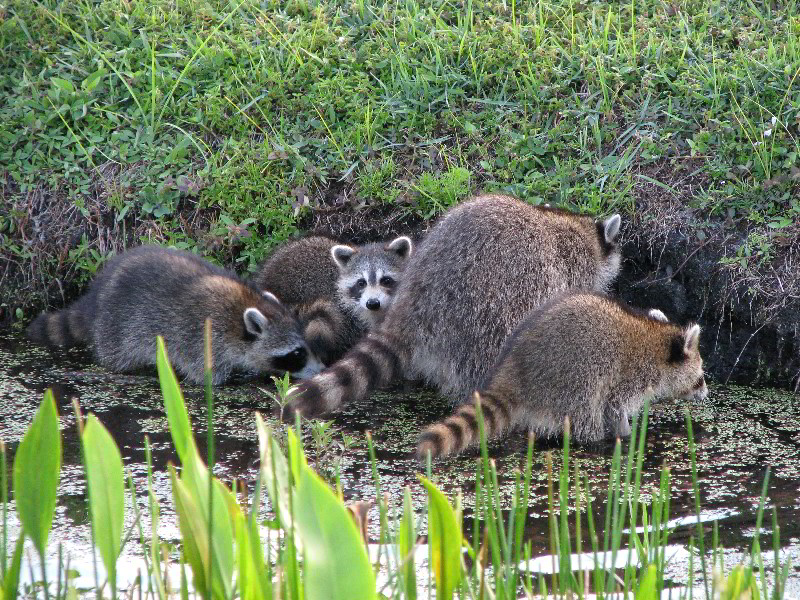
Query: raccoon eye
[387, 281]
[361, 283]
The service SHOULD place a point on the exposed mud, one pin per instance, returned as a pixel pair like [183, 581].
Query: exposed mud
[739, 432]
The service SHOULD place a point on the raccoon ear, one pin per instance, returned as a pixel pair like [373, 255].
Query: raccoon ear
[270, 296]
[611, 228]
[656, 314]
[254, 321]
[342, 254]
[402, 246]
[692, 339]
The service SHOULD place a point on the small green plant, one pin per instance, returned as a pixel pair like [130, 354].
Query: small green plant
[437, 194]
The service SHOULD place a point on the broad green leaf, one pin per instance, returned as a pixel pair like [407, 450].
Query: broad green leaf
[444, 536]
[647, 585]
[406, 544]
[336, 564]
[106, 492]
[195, 479]
[11, 582]
[37, 465]
[192, 537]
[95, 78]
[253, 581]
[63, 84]
[177, 416]
[274, 472]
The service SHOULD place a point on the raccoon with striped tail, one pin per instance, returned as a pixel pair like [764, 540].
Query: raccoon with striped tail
[338, 291]
[150, 291]
[480, 270]
[582, 356]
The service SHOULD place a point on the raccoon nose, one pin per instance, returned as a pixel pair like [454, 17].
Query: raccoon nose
[292, 361]
[373, 304]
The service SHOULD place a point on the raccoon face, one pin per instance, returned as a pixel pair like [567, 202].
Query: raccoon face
[275, 342]
[369, 276]
[608, 234]
[684, 377]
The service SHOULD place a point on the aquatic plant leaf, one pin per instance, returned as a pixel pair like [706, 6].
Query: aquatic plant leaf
[189, 523]
[406, 541]
[37, 466]
[252, 579]
[177, 416]
[336, 564]
[10, 585]
[220, 561]
[106, 485]
[274, 473]
[444, 536]
[647, 586]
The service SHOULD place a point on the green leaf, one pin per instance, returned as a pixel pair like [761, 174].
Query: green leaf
[647, 586]
[93, 79]
[106, 492]
[63, 84]
[253, 580]
[177, 416]
[444, 537]
[11, 582]
[336, 564]
[37, 465]
[406, 544]
[195, 483]
[274, 473]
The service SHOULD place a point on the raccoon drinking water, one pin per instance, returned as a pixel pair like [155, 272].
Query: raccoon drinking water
[339, 292]
[481, 269]
[582, 356]
[152, 291]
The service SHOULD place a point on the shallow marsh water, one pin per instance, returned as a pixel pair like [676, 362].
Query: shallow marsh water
[739, 432]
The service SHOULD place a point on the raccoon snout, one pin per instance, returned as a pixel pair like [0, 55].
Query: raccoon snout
[373, 304]
[292, 361]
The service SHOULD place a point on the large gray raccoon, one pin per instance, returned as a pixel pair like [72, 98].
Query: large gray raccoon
[339, 292]
[582, 356]
[480, 270]
[152, 291]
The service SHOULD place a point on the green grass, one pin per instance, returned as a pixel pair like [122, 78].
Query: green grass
[203, 124]
[314, 549]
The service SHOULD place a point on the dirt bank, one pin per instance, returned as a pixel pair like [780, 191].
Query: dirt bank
[690, 266]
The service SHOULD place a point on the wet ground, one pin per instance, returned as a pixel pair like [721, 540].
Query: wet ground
[739, 432]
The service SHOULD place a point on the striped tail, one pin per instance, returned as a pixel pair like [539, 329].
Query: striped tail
[460, 430]
[373, 363]
[328, 331]
[67, 327]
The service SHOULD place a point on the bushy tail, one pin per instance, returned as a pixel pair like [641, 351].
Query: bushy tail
[327, 329]
[373, 363]
[67, 327]
[460, 430]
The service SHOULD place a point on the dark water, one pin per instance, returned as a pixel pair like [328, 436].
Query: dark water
[739, 433]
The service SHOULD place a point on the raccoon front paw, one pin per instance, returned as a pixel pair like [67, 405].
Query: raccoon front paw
[304, 398]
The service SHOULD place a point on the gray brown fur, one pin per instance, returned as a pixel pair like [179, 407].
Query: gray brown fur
[152, 291]
[318, 277]
[583, 356]
[480, 270]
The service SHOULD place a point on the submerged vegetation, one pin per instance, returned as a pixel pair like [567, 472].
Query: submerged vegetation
[217, 126]
[311, 546]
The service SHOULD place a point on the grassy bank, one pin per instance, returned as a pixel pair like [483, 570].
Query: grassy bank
[227, 126]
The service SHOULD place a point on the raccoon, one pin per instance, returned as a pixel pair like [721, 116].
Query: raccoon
[338, 291]
[582, 356]
[152, 291]
[480, 270]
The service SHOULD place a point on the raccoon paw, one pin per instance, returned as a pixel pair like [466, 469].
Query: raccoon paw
[307, 399]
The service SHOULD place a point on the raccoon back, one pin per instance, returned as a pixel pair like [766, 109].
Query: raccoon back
[300, 271]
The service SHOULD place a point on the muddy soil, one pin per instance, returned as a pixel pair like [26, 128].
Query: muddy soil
[739, 432]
